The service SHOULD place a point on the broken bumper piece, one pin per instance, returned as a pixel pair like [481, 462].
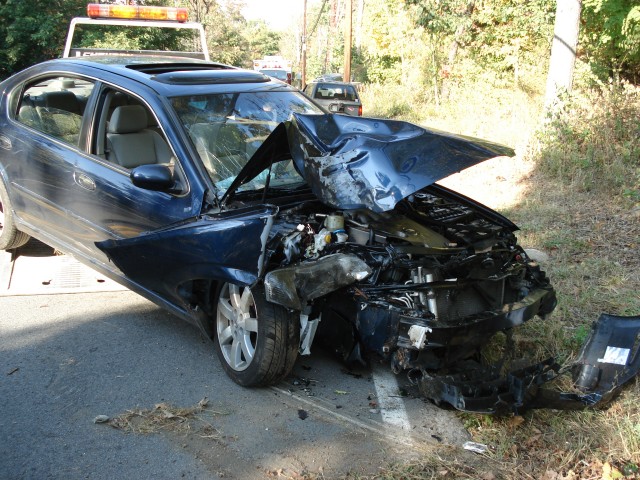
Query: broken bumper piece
[608, 360]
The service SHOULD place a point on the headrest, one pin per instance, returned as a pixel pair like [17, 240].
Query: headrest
[128, 119]
[62, 100]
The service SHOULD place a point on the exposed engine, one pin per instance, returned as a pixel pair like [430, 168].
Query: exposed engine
[432, 279]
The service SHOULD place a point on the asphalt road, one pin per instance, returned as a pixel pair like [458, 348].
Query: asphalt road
[71, 356]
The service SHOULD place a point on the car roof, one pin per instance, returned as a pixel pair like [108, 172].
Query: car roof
[169, 76]
[334, 82]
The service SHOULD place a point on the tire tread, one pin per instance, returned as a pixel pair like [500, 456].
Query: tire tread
[10, 237]
[279, 345]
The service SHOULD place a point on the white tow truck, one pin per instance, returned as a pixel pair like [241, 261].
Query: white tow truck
[276, 67]
[103, 14]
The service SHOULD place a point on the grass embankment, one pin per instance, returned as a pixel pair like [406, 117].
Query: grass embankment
[574, 190]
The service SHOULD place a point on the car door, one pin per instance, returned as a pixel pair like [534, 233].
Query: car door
[67, 188]
[49, 122]
[106, 202]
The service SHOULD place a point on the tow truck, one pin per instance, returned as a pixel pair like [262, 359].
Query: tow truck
[276, 67]
[135, 16]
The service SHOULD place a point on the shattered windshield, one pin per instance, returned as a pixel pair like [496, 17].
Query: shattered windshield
[228, 128]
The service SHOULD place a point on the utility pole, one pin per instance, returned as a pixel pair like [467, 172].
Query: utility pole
[346, 76]
[303, 73]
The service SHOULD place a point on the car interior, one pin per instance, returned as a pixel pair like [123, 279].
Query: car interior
[130, 142]
[55, 107]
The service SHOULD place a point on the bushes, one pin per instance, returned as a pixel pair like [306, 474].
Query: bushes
[593, 142]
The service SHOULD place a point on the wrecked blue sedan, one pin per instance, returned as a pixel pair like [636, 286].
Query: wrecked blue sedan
[236, 203]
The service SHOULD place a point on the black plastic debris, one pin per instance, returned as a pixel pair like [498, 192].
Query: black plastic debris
[608, 360]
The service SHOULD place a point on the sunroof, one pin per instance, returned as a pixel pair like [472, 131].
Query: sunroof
[162, 68]
[209, 76]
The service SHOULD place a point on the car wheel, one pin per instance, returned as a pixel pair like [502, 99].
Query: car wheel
[256, 341]
[10, 236]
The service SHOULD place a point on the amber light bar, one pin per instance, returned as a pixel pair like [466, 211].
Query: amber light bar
[134, 12]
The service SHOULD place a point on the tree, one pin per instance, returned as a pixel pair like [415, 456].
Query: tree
[563, 50]
[510, 36]
[34, 31]
[441, 20]
[611, 38]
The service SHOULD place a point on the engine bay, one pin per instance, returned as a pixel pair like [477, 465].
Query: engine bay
[439, 274]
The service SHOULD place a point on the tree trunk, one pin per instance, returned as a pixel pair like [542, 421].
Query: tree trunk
[563, 51]
[453, 50]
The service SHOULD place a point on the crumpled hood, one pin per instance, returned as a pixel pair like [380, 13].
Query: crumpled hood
[367, 163]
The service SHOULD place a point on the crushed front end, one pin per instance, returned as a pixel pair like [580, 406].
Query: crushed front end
[381, 261]
[424, 285]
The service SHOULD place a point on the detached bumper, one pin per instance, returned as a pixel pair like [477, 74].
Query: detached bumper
[608, 360]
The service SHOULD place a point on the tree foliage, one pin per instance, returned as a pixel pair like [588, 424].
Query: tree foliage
[611, 37]
[231, 39]
[508, 34]
[33, 31]
[425, 43]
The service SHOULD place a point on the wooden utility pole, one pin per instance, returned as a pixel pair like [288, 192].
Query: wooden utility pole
[346, 76]
[303, 73]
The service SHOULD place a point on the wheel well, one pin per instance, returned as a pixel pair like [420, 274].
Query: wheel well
[201, 294]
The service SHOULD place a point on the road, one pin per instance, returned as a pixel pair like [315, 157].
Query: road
[77, 349]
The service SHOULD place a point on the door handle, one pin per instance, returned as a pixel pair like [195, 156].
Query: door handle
[84, 181]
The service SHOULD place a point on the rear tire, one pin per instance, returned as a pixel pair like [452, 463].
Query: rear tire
[10, 236]
[256, 341]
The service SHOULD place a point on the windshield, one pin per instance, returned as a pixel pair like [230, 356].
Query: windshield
[275, 73]
[228, 128]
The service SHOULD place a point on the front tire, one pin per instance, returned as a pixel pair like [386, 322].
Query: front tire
[10, 236]
[256, 341]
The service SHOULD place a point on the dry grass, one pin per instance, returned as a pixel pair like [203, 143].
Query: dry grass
[574, 189]
[168, 418]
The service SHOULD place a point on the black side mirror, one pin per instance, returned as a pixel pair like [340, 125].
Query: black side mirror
[153, 177]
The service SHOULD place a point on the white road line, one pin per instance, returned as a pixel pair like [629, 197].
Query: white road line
[390, 403]
[393, 439]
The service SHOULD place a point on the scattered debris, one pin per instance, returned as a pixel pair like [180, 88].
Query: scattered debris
[475, 447]
[607, 361]
[13, 371]
[101, 419]
[162, 416]
[302, 414]
[349, 372]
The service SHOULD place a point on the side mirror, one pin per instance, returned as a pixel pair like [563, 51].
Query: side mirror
[153, 177]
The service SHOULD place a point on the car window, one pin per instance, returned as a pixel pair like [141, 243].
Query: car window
[228, 128]
[128, 135]
[55, 106]
[329, 91]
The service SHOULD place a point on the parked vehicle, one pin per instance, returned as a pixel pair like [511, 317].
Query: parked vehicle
[276, 67]
[336, 97]
[329, 77]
